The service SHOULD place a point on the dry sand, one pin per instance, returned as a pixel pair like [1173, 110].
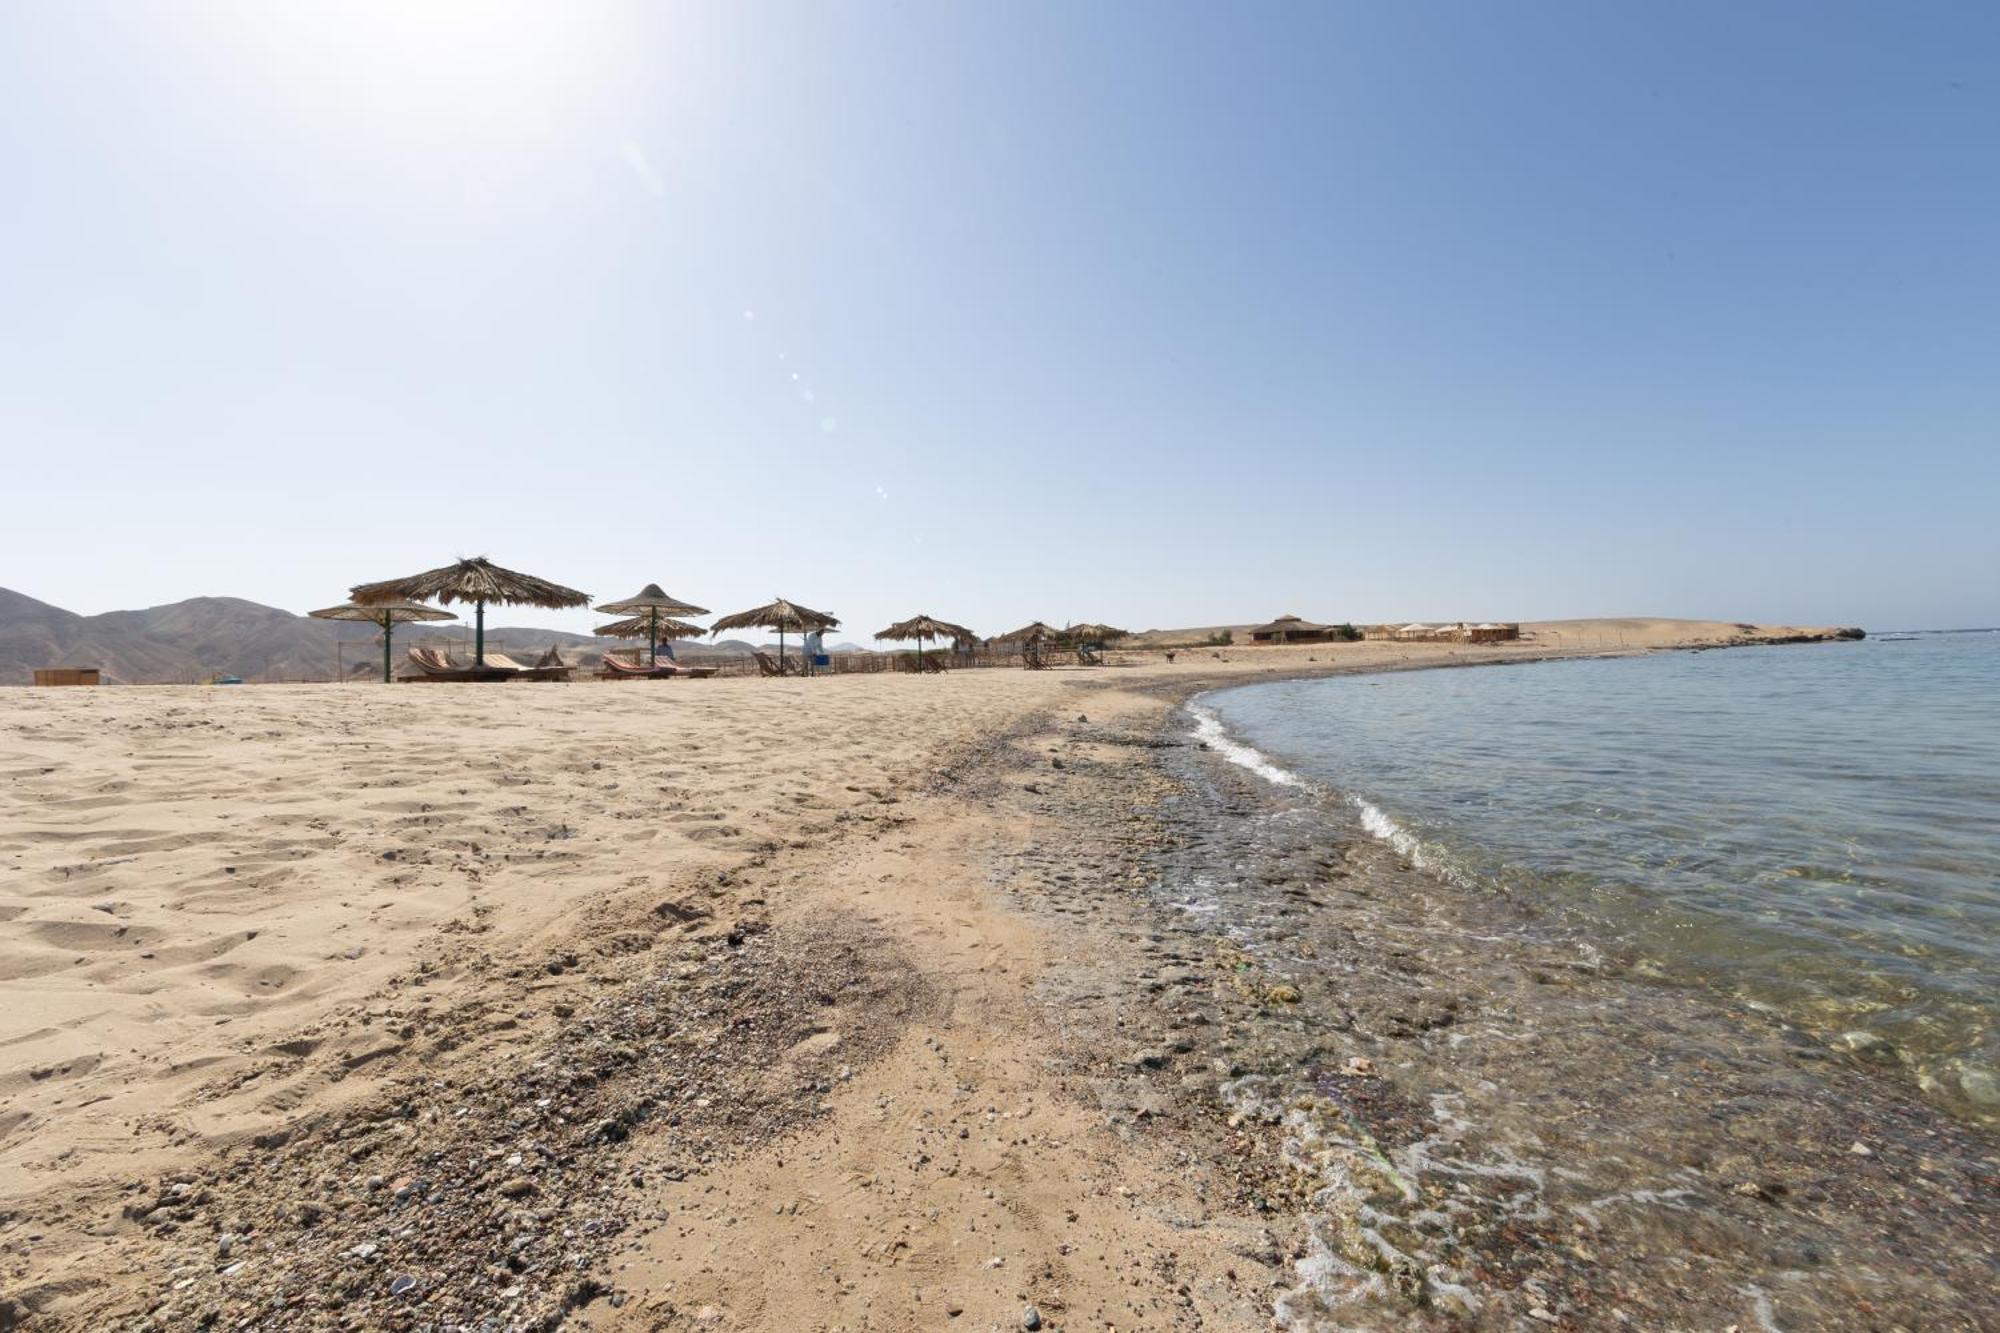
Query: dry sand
[271, 956]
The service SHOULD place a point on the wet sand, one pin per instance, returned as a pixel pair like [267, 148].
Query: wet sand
[860, 1002]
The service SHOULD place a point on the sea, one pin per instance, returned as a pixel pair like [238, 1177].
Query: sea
[1813, 830]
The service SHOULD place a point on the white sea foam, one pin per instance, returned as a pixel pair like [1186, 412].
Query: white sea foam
[1208, 730]
[1380, 825]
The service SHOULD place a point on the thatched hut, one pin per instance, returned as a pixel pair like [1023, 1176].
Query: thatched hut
[1032, 637]
[477, 580]
[1292, 629]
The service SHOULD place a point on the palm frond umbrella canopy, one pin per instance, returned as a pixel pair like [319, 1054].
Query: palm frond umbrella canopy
[781, 616]
[655, 629]
[1034, 633]
[1094, 633]
[652, 605]
[477, 580]
[385, 617]
[921, 628]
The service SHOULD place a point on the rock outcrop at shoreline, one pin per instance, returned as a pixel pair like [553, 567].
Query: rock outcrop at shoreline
[1835, 635]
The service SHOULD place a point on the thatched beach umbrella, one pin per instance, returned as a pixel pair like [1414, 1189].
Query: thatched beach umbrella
[478, 581]
[653, 628]
[925, 627]
[1094, 633]
[650, 604]
[384, 617]
[781, 616]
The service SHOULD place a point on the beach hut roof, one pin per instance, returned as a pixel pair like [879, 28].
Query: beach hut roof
[1095, 630]
[473, 580]
[638, 627]
[1289, 624]
[1032, 633]
[780, 615]
[1414, 629]
[921, 628]
[387, 613]
[650, 598]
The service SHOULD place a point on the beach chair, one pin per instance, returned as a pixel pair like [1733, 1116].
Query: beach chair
[767, 667]
[435, 664]
[549, 666]
[617, 667]
[621, 668]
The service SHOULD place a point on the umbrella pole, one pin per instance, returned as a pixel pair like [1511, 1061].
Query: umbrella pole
[781, 650]
[653, 637]
[479, 634]
[388, 628]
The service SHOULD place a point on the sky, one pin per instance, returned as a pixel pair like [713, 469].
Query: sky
[1147, 313]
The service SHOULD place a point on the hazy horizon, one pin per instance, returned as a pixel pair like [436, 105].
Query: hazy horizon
[1160, 315]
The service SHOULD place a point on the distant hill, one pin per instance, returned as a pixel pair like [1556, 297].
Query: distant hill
[187, 642]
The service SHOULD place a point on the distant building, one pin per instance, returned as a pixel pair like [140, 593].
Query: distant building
[1291, 629]
[1457, 632]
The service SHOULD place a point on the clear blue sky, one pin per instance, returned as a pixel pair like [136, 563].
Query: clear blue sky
[1156, 314]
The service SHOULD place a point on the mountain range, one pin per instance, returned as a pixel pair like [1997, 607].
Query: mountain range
[192, 641]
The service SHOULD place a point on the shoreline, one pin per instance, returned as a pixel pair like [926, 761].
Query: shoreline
[1387, 1127]
[991, 1068]
[1840, 1031]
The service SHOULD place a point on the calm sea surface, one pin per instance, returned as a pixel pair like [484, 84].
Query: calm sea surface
[1813, 828]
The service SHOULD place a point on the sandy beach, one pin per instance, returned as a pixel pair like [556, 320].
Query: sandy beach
[744, 1004]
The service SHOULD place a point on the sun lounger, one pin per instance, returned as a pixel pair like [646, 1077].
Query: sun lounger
[436, 664]
[549, 667]
[619, 668]
[770, 668]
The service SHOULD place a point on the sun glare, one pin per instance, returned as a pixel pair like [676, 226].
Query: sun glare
[438, 61]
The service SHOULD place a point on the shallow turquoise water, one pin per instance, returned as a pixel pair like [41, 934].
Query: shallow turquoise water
[1815, 827]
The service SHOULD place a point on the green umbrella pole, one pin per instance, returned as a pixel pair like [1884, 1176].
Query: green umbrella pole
[479, 634]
